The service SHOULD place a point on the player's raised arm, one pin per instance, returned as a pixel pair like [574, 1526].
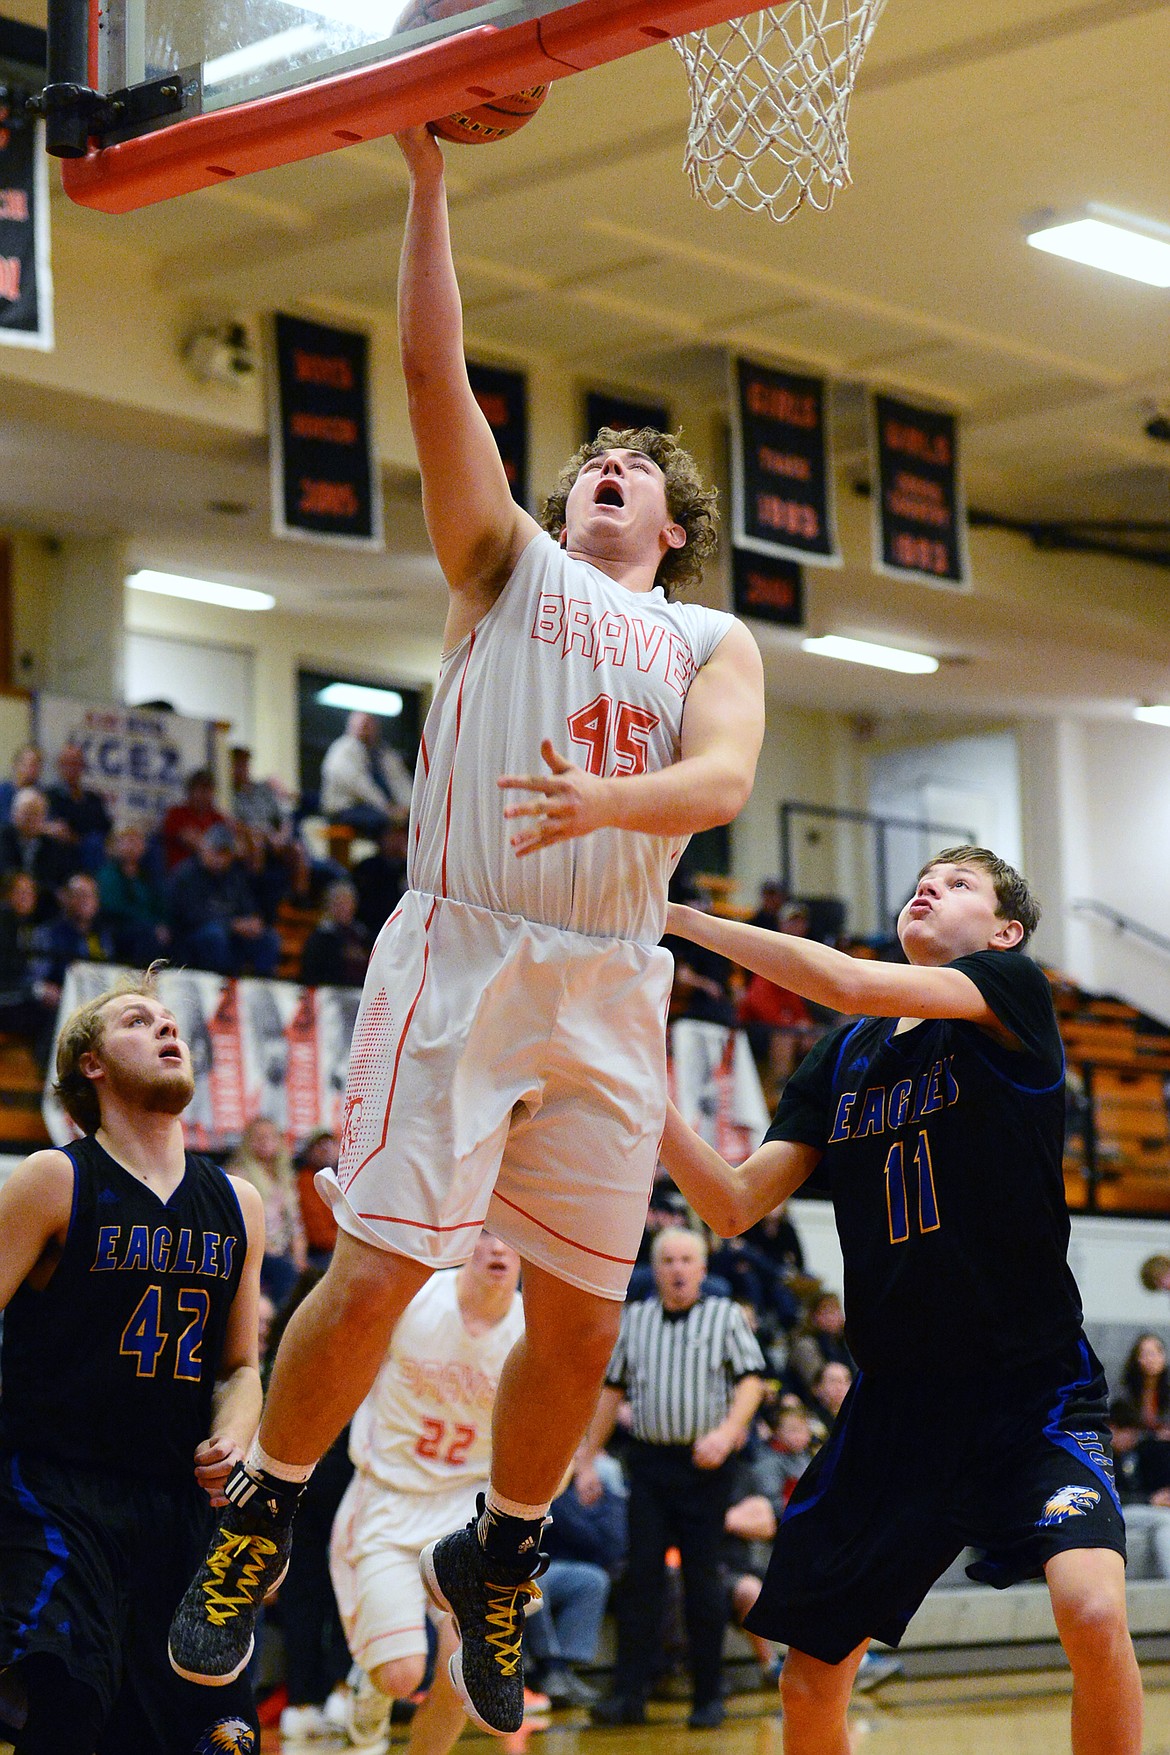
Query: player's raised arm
[238, 1397]
[730, 1199]
[722, 730]
[477, 529]
[853, 985]
[35, 1207]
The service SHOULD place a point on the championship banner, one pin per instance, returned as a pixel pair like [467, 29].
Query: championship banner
[257, 1048]
[716, 1088]
[26, 282]
[771, 591]
[503, 400]
[136, 759]
[326, 486]
[919, 517]
[618, 412]
[782, 501]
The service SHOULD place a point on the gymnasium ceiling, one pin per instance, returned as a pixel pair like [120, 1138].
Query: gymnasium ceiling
[579, 244]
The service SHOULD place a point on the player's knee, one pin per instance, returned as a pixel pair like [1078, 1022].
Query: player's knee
[400, 1677]
[811, 1689]
[1092, 1619]
[364, 1284]
[596, 1336]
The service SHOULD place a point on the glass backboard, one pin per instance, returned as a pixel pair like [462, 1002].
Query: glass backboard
[256, 83]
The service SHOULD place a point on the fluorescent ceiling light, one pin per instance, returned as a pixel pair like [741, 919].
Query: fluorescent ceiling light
[1104, 237]
[1153, 715]
[865, 652]
[200, 590]
[268, 52]
[358, 698]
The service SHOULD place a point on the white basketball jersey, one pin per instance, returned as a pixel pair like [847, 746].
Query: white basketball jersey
[565, 653]
[426, 1425]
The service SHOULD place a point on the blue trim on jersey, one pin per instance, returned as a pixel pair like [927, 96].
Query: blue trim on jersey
[54, 1541]
[76, 1190]
[1027, 1090]
[1064, 1441]
[232, 1191]
[845, 1041]
[831, 1454]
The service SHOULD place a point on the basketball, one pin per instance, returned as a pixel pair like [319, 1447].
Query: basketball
[493, 119]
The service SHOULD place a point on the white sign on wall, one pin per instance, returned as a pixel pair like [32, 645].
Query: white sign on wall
[136, 759]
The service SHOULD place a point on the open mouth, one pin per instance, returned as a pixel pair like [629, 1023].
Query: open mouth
[608, 494]
[172, 1054]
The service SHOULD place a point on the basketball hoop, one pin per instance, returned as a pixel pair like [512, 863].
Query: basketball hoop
[770, 101]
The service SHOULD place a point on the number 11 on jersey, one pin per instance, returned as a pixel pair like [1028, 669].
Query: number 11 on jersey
[897, 1203]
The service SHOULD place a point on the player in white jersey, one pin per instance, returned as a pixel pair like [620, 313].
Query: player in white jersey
[509, 1057]
[421, 1447]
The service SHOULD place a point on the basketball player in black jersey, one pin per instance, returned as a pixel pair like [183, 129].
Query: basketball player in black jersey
[936, 1124]
[129, 1275]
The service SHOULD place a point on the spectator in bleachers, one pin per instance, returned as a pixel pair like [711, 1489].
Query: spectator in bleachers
[364, 782]
[776, 1237]
[216, 914]
[262, 1158]
[319, 1152]
[26, 1005]
[821, 1338]
[133, 903]
[380, 880]
[773, 896]
[1145, 1386]
[779, 1024]
[76, 935]
[27, 766]
[755, 1280]
[586, 1545]
[186, 823]
[26, 845]
[702, 978]
[79, 811]
[338, 948]
[833, 1382]
[1155, 1273]
[1140, 1459]
[274, 854]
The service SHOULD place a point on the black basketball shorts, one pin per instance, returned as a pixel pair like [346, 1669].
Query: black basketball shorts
[92, 1566]
[1017, 1465]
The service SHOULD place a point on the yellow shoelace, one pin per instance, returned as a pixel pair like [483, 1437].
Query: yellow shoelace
[508, 1621]
[220, 1606]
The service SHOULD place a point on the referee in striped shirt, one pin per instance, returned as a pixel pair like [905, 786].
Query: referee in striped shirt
[690, 1367]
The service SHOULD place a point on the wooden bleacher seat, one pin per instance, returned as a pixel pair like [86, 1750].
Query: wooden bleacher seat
[22, 1127]
[339, 839]
[294, 923]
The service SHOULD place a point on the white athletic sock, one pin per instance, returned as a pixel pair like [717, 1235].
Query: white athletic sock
[514, 1507]
[259, 1461]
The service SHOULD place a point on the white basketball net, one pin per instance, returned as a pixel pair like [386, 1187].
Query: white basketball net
[770, 101]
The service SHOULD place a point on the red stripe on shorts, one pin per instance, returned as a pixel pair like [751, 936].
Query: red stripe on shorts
[623, 1261]
[398, 1052]
[454, 755]
[421, 1224]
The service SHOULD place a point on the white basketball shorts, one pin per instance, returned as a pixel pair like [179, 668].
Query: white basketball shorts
[509, 1074]
[378, 1535]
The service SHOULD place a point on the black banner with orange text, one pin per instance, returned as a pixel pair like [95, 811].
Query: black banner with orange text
[503, 399]
[781, 473]
[26, 292]
[325, 480]
[920, 521]
[771, 591]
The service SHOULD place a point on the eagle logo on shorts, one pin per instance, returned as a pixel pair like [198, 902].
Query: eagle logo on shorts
[1069, 1502]
[227, 1736]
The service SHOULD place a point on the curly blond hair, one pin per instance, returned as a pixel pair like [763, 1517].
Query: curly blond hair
[688, 500]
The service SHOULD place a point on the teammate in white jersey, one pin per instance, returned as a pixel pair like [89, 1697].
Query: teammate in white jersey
[509, 1059]
[421, 1446]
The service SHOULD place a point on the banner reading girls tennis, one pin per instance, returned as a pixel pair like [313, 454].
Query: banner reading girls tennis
[782, 501]
[919, 516]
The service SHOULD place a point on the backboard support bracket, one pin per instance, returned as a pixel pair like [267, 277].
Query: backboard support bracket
[76, 115]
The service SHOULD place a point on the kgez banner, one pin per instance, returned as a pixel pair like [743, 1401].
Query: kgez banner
[326, 485]
[919, 517]
[782, 502]
[26, 285]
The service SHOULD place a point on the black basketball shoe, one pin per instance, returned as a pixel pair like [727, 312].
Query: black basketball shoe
[214, 1627]
[486, 1670]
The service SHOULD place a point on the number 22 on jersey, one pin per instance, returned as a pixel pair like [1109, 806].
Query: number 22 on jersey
[613, 735]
